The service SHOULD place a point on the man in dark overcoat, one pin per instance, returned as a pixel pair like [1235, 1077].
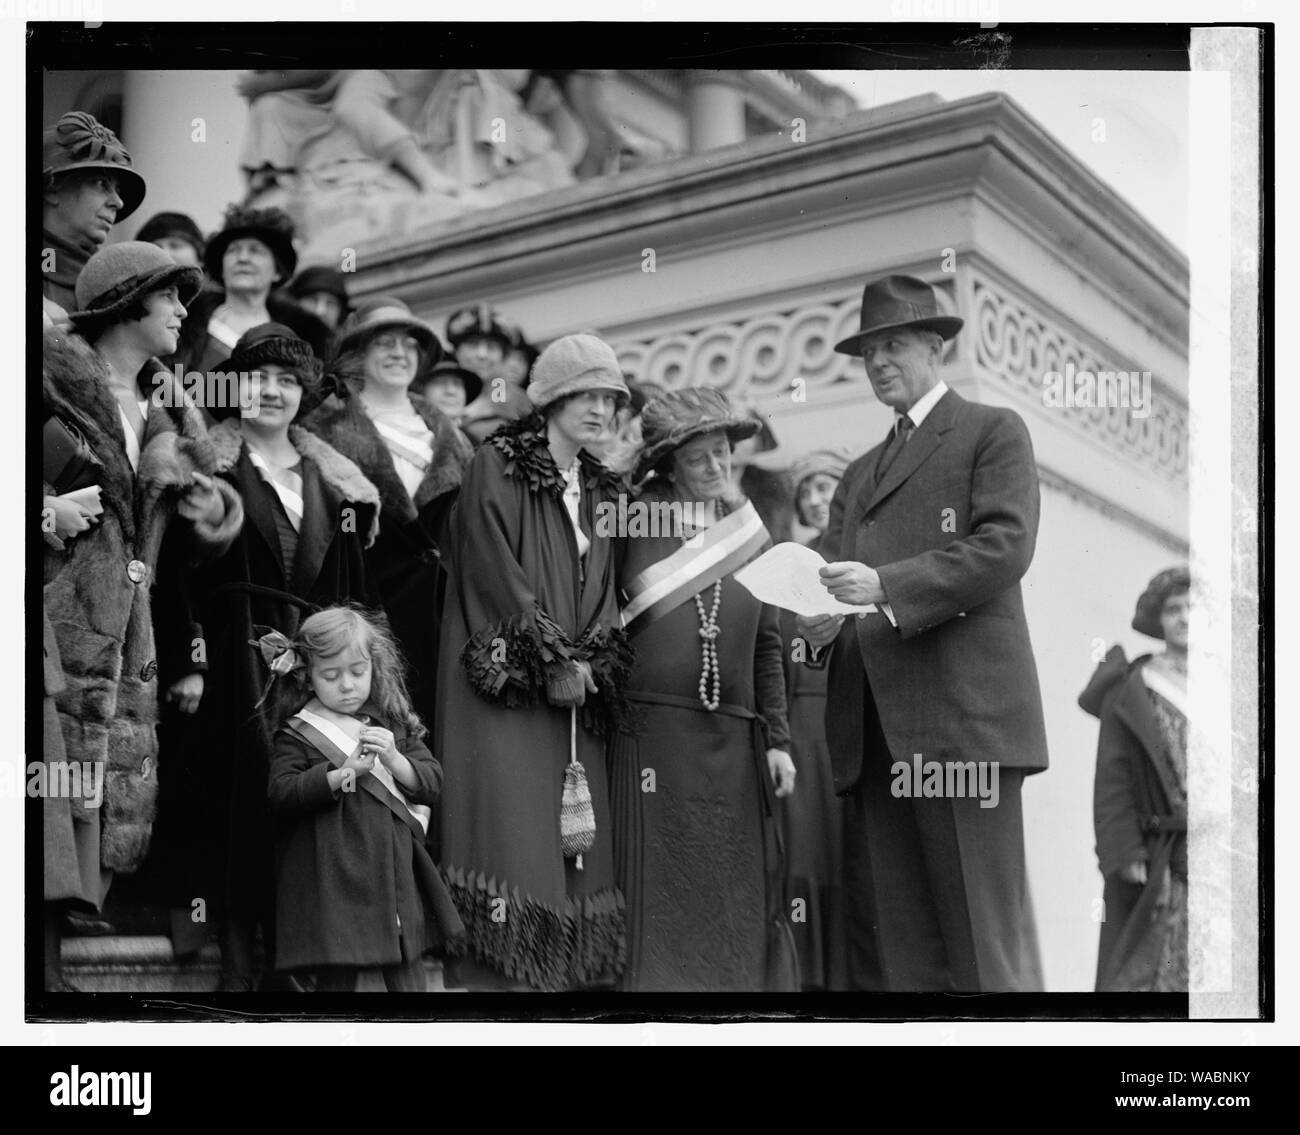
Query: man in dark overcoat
[933, 709]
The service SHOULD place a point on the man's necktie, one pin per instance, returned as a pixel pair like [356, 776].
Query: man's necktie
[902, 431]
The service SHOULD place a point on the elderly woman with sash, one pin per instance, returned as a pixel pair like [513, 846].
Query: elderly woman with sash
[532, 668]
[1140, 798]
[415, 457]
[696, 843]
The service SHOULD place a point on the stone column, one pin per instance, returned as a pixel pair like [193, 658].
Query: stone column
[715, 108]
[183, 173]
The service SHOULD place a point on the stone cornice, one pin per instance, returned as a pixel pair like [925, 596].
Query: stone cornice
[752, 188]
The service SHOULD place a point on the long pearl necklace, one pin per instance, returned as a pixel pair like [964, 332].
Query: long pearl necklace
[709, 631]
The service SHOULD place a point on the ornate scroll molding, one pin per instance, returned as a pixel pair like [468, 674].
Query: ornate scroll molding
[1016, 346]
[763, 353]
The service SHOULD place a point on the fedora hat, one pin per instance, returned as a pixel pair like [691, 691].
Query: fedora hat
[898, 301]
[273, 227]
[672, 419]
[119, 274]
[78, 141]
[387, 313]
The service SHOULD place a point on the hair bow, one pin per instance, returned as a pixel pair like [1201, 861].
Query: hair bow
[280, 657]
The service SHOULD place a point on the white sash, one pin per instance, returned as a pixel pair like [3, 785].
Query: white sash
[290, 494]
[347, 744]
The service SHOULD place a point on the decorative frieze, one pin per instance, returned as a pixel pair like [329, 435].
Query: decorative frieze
[772, 352]
[1017, 347]
[761, 354]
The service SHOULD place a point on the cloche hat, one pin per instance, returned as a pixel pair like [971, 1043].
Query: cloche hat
[573, 364]
[387, 313]
[172, 224]
[274, 343]
[78, 141]
[119, 274]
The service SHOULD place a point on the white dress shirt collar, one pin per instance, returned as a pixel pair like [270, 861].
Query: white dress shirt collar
[925, 404]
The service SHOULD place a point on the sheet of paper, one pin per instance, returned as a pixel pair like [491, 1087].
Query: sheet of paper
[786, 576]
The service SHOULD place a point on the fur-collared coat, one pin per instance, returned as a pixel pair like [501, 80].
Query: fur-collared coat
[215, 834]
[404, 563]
[100, 613]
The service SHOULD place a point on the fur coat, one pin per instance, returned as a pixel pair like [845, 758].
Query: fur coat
[404, 564]
[97, 594]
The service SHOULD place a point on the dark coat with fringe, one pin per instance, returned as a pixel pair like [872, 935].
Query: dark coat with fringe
[354, 886]
[1138, 815]
[215, 836]
[101, 617]
[404, 563]
[518, 607]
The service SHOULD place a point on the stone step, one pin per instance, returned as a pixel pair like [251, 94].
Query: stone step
[147, 964]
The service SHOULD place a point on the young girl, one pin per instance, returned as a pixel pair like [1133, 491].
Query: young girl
[350, 785]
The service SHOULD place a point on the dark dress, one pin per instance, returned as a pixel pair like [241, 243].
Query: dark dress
[519, 603]
[202, 352]
[215, 832]
[693, 803]
[812, 821]
[354, 885]
[1140, 815]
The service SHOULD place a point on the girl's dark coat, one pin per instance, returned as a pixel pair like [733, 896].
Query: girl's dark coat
[101, 618]
[348, 870]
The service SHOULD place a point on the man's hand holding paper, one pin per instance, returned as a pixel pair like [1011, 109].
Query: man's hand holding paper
[794, 577]
[852, 583]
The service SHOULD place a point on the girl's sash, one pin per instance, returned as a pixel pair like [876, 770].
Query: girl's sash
[663, 587]
[336, 746]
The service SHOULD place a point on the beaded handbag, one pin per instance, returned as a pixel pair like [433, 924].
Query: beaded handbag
[577, 817]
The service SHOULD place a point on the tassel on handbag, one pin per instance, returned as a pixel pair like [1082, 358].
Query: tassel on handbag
[577, 817]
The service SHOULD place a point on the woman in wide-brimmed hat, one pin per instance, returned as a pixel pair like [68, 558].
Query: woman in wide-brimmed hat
[532, 667]
[1140, 797]
[813, 817]
[88, 186]
[125, 445]
[698, 857]
[310, 514]
[414, 455]
[246, 261]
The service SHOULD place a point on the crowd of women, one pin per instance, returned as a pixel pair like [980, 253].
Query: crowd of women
[368, 686]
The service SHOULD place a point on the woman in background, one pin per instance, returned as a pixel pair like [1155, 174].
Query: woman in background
[812, 818]
[1140, 797]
